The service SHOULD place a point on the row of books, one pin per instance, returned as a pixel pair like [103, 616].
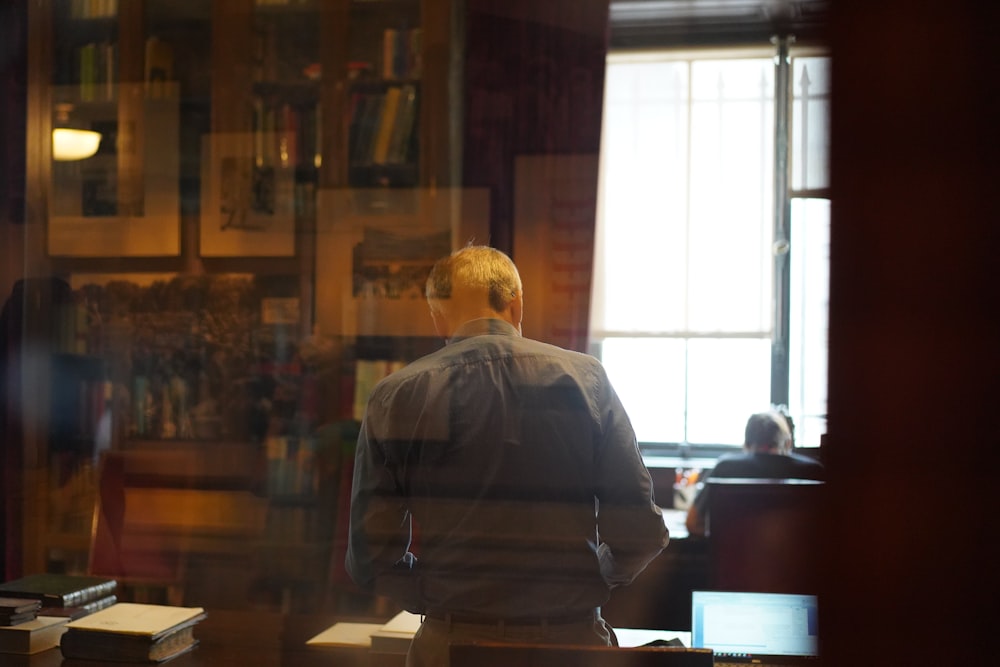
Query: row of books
[14, 611]
[74, 328]
[93, 9]
[291, 469]
[67, 612]
[285, 135]
[39, 608]
[383, 125]
[96, 65]
[402, 53]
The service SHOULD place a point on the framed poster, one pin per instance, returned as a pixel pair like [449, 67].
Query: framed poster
[248, 204]
[375, 248]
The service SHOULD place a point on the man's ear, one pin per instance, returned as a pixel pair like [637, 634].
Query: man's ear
[440, 323]
[517, 310]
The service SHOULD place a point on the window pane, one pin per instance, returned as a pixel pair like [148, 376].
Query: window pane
[808, 312]
[728, 380]
[732, 147]
[810, 142]
[686, 198]
[644, 200]
[685, 222]
[648, 374]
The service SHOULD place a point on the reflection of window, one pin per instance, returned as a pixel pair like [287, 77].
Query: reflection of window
[686, 304]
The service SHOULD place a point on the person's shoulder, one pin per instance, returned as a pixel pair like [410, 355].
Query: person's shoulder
[734, 458]
[733, 464]
[805, 460]
[534, 347]
[809, 464]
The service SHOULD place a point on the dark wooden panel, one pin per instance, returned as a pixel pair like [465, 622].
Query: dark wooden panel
[538, 655]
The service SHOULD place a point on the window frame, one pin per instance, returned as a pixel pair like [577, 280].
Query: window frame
[783, 50]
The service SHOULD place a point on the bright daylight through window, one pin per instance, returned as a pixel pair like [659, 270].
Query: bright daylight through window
[686, 311]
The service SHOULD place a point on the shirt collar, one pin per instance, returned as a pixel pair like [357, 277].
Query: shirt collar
[483, 326]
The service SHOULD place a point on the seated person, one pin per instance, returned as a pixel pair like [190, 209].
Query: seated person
[767, 454]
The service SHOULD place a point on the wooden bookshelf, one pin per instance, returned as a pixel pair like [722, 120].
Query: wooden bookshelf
[271, 87]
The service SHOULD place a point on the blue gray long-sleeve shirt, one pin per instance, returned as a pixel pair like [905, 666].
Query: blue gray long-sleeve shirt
[499, 476]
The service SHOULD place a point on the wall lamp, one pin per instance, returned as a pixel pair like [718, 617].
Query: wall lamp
[69, 143]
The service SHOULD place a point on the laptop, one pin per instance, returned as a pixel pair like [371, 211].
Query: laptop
[756, 628]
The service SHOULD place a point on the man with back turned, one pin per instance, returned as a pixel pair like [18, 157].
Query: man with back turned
[767, 454]
[498, 487]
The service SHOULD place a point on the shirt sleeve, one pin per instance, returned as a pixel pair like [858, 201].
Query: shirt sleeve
[631, 528]
[380, 525]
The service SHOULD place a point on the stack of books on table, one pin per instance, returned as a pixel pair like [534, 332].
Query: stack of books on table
[39, 634]
[18, 610]
[132, 632]
[39, 606]
[69, 595]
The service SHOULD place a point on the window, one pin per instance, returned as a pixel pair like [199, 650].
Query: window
[687, 305]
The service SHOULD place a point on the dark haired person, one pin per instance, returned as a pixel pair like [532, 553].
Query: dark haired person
[498, 487]
[767, 454]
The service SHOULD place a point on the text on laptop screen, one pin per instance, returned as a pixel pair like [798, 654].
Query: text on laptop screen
[755, 623]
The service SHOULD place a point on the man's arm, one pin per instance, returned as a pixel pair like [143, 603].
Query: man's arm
[630, 525]
[694, 521]
[379, 532]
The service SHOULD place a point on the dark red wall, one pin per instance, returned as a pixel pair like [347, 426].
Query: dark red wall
[914, 333]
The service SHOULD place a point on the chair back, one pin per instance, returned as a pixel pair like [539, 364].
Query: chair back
[157, 507]
[764, 534]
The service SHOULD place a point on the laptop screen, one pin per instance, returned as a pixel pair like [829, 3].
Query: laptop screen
[755, 624]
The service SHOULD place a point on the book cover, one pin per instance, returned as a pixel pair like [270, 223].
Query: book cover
[396, 634]
[73, 613]
[16, 619]
[59, 590]
[109, 646]
[390, 50]
[346, 634]
[369, 127]
[402, 131]
[159, 67]
[151, 621]
[386, 122]
[359, 109]
[32, 636]
[13, 606]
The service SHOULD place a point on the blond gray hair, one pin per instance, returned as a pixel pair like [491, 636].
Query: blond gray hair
[475, 267]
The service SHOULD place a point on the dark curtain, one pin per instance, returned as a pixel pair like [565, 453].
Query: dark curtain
[534, 84]
[13, 77]
[13, 73]
[11, 487]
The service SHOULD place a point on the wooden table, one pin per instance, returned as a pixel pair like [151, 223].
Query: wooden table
[264, 639]
[239, 639]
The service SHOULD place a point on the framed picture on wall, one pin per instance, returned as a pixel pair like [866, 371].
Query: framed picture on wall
[248, 197]
[119, 195]
[378, 246]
